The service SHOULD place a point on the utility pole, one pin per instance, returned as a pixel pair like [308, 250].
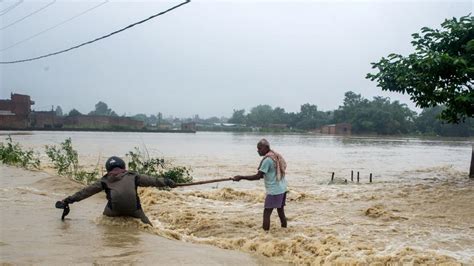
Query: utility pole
[53, 114]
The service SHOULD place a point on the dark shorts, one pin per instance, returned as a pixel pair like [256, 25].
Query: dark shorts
[275, 201]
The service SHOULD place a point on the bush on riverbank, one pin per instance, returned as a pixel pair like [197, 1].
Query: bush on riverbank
[13, 154]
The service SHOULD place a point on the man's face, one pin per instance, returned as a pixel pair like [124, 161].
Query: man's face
[262, 149]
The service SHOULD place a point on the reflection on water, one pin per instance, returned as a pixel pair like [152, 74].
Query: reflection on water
[418, 210]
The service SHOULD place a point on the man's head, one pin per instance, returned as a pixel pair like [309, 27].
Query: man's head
[114, 162]
[263, 147]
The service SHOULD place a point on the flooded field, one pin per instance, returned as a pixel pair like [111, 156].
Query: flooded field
[418, 210]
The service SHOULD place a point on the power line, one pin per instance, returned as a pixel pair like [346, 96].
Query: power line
[53, 27]
[29, 15]
[10, 8]
[100, 38]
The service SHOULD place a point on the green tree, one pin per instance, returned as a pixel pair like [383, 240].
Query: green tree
[310, 118]
[141, 117]
[261, 115]
[428, 123]
[74, 112]
[379, 116]
[439, 72]
[238, 117]
[279, 116]
[101, 108]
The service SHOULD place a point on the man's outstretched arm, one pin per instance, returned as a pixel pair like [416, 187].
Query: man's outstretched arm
[84, 193]
[148, 181]
[256, 176]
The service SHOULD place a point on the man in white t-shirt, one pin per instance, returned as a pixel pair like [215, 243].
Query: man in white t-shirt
[272, 169]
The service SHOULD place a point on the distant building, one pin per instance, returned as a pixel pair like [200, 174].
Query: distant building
[46, 119]
[190, 126]
[337, 129]
[15, 112]
[102, 122]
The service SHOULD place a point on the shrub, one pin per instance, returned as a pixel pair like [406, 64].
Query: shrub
[12, 154]
[157, 167]
[65, 161]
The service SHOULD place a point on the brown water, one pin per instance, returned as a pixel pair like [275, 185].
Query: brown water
[418, 210]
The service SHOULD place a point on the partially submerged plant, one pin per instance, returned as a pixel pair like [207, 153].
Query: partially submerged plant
[178, 174]
[13, 154]
[64, 158]
[65, 161]
[86, 176]
[157, 167]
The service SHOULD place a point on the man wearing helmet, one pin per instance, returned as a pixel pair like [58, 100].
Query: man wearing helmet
[120, 187]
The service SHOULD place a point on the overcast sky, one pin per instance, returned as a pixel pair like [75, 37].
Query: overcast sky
[207, 57]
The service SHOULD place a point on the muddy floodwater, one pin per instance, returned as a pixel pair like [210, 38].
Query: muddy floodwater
[418, 209]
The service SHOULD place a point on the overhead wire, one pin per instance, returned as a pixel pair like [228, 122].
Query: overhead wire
[55, 26]
[29, 15]
[99, 38]
[10, 8]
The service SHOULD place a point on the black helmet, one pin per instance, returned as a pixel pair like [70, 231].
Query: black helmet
[113, 162]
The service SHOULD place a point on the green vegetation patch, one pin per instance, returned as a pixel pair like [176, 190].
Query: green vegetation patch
[65, 161]
[13, 154]
[157, 167]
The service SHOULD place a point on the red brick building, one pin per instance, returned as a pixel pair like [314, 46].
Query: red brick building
[15, 112]
[46, 119]
[102, 122]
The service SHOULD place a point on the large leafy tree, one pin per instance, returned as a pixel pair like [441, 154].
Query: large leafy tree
[439, 72]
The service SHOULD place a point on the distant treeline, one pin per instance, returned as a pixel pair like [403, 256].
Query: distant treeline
[377, 116]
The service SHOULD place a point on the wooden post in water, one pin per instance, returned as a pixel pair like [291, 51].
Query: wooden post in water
[332, 177]
[357, 177]
[352, 175]
[471, 172]
[370, 178]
